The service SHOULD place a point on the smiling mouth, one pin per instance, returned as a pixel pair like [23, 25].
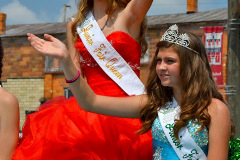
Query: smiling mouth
[163, 75]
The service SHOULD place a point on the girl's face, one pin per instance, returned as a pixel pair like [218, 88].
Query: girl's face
[168, 68]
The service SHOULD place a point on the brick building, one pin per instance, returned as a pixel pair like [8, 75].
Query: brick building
[33, 78]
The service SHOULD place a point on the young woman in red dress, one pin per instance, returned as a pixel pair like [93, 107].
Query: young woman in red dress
[60, 129]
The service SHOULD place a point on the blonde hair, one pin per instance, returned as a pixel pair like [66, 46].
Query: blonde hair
[85, 6]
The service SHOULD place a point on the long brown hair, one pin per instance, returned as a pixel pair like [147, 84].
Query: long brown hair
[85, 6]
[197, 85]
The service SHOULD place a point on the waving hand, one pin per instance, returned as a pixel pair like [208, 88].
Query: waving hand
[49, 47]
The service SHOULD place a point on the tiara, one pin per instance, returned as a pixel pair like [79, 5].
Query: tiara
[171, 35]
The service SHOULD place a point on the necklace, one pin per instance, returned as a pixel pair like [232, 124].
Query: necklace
[105, 24]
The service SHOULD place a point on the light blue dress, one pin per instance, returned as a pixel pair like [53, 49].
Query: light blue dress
[162, 149]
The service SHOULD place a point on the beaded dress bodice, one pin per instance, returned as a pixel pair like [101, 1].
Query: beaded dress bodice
[97, 79]
[163, 150]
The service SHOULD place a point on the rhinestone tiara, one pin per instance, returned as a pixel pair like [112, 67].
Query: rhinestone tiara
[171, 35]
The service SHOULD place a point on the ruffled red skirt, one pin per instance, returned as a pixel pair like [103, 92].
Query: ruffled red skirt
[61, 130]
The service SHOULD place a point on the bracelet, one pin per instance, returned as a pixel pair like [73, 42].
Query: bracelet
[73, 80]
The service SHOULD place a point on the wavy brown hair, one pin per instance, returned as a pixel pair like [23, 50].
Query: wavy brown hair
[197, 85]
[85, 6]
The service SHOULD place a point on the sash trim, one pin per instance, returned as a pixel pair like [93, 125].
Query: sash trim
[186, 149]
[108, 58]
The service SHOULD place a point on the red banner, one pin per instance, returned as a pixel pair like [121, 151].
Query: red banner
[213, 40]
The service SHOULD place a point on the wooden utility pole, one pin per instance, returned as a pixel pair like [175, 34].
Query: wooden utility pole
[233, 62]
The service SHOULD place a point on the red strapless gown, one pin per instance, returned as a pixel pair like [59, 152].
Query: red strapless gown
[61, 130]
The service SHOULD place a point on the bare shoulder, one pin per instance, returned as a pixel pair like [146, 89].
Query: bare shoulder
[7, 101]
[69, 24]
[217, 108]
[219, 130]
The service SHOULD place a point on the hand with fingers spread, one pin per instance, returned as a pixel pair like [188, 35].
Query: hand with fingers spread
[49, 47]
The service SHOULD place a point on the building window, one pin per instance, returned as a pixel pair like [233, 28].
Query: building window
[27, 112]
[67, 92]
[52, 65]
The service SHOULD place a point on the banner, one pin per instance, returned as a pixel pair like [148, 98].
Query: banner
[213, 40]
[2, 23]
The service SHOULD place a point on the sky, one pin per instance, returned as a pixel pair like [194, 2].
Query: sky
[50, 11]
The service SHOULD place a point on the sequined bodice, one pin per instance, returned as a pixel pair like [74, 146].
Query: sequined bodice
[162, 148]
[101, 84]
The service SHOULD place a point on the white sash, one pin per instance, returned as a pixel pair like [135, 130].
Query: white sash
[108, 58]
[187, 149]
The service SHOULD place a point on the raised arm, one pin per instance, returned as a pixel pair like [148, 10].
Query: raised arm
[86, 98]
[131, 18]
[70, 45]
[137, 9]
